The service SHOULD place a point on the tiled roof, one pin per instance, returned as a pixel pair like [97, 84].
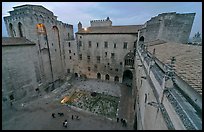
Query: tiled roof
[16, 41]
[112, 29]
[188, 61]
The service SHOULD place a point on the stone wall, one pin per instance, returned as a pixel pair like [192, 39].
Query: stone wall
[113, 66]
[19, 71]
[50, 44]
[170, 27]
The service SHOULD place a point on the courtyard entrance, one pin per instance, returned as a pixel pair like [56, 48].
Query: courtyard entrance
[127, 78]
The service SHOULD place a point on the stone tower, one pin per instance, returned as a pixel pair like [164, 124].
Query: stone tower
[101, 23]
[39, 25]
[79, 26]
[171, 26]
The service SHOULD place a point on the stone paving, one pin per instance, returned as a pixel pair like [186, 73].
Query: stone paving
[36, 114]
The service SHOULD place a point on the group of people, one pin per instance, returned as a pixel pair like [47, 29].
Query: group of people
[65, 122]
[123, 121]
[60, 114]
[76, 117]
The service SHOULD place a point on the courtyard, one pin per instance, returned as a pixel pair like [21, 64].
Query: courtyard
[98, 103]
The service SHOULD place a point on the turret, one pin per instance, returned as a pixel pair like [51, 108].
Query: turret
[79, 26]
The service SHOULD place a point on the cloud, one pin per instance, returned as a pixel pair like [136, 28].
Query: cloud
[121, 13]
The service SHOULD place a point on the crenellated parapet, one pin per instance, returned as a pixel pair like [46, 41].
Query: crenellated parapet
[101, 23]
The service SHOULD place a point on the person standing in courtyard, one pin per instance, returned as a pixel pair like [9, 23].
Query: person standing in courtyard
[53, 115]
[65, 123]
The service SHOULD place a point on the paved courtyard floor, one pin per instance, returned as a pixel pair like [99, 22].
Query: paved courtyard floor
[36, 114]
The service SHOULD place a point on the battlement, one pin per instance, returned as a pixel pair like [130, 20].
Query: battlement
[101, 23]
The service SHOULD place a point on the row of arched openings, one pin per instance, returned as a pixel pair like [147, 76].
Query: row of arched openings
[107, 77]
[12, 31]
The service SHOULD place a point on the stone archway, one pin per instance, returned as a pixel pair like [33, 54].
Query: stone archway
[116, 79]
[11, 30]
[99, 75]
[127, 78]
[75, 74]
[20, 28]
[107, 77]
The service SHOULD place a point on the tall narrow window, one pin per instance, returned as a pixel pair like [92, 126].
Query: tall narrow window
[69, 44]
[70, 51]
[125, 45]
[106, 54]
[98, 59]
[80, 43]
[68, 35]
[20, 29]
[88, 58]
[112, 55]
[80, 56]
[97, 45]
[106, 44]
[89, 44]
[114, 45]
[11, 30]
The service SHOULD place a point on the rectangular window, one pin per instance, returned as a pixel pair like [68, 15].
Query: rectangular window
[89, 44]
[68, 70]
[106, 44]
[70, 51]
[80, 56]
[70, 57]
[80, 43]
[125, 45]
[97, 45]
[106, 54]
[98, 59]
[89, 68]
[88, 58]
[69, 44]
[114, 45]
[112, 55]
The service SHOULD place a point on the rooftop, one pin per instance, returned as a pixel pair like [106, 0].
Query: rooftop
[130, 29]
[9, 41]
[188, 61]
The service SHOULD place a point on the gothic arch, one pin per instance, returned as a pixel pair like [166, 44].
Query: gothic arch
[107, 77]
[56, 40]
[43, 44]
[99, 75]
[127, 78]
[11, 30]
[141, 38]
[141, 42]
[41, 29]
[129, 59]
[116, 79]
[20, 29]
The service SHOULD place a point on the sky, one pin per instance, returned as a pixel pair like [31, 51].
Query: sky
[120, 13]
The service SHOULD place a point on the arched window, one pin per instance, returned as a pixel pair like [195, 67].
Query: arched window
[129, 59]
[116, 79]
[99, 75]
[141, 42]
[107, 77]
[12, 32]
[20, 29]
[41, 28]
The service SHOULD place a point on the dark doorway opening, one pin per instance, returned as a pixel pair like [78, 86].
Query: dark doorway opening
[75, 74]
[11, 97]
[107, 77]
[99, 75]
[116, 79]
[127, 78]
